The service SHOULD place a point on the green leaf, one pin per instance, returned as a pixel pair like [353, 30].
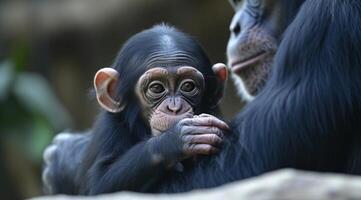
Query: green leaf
[6, 77]
[33, 91]
[41, 136]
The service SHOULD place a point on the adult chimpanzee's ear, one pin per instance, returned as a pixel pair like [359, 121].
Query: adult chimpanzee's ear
[105, 82]
[221, 72]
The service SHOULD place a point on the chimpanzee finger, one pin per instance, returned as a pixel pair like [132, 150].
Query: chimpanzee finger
[211, 139]
[208, 115]
[198, 130]
[205, 115]
[50, 153]
[205, 149]
[208, 121]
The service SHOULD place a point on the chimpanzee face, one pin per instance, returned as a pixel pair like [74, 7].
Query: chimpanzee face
[169, 94]
[167, 76]
[253, 43]
[166, 94]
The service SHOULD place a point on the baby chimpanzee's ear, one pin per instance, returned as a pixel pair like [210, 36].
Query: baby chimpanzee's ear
[221, 72]
[105, 82]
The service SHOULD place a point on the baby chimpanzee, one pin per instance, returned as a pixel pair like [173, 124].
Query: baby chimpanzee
[159, 98]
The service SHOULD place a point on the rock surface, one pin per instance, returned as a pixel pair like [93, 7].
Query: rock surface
[278, 185]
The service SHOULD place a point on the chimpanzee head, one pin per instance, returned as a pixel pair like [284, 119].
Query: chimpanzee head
[256, 29]
[164, 74]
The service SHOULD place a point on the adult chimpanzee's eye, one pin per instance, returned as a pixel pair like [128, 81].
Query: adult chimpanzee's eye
[156, 88]
[188, 86]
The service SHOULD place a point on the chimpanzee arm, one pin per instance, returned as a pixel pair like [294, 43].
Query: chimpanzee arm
[257, 146]
[135, 170]
[61, 162]
[146, 162]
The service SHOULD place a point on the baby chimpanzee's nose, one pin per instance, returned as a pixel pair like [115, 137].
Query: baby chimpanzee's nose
[174, 105]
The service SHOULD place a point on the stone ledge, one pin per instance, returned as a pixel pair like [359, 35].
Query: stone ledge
[282, 184]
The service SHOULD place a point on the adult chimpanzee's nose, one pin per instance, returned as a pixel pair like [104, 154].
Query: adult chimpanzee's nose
[174, 106]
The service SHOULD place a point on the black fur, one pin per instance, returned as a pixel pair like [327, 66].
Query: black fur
[62, 160]
[288, 10]
[308, 115]
[117, 156]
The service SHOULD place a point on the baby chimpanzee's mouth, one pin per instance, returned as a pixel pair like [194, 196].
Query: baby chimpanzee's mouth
[161, 122]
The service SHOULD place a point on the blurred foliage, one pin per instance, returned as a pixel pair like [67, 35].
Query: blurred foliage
[30, 114]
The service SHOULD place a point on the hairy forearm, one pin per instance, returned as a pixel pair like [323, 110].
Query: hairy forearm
[136, 170]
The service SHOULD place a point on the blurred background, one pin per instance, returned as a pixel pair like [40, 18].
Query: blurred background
[49, 53]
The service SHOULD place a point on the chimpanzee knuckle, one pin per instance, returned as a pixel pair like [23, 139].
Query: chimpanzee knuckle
[201, 121]
[213, 139]
[198, 121]
[192, 121]
[210, 121]
[219, 123]
[205, 115]
[218, 132]
[49, 153]
[187, 139]
[185, 121]
[218, 140]
[190, 148]
[214, 129]
[61, 137]
[185, 130]
[193, 139]
[214, 120]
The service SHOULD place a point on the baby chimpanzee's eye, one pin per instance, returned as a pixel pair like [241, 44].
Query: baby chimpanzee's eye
[156, 88]
[188, 86]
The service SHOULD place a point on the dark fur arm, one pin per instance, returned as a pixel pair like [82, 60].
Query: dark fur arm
[61, 162]
[308, 115]
[143, 164]
[137, 169]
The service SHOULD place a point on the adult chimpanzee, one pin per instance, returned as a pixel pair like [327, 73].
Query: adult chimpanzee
[308, 115]
[256, 31]
[161, 76]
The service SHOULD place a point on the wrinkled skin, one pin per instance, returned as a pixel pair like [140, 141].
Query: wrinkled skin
[169, 94]
[256, 30]
[201, 134]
